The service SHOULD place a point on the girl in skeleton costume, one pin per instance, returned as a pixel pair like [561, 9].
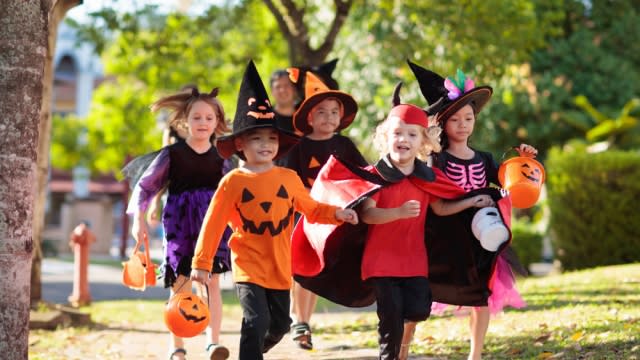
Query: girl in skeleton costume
[455, 102]
[190, 170]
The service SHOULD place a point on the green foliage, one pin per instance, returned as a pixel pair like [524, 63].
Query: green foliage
[592, 198]
[590, 57]
[67, 136]
[620, 131]
[441, 36]
[147, 55]
[527, 242]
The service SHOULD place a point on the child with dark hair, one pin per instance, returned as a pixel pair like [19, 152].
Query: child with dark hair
[455, 103]
[258, 200]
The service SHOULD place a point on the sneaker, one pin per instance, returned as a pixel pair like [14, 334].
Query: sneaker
[217, 352]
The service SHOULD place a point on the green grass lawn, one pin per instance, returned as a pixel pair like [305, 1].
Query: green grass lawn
[590, 314]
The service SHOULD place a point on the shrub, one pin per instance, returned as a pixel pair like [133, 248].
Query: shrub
[594, 210]
[527, 243]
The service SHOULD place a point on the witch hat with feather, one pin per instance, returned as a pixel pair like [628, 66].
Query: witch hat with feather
[446, 96]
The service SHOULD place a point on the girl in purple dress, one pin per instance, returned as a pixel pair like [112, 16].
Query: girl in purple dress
[190, 170]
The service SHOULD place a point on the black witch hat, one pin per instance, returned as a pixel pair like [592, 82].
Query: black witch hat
[253, 111]
[446, 96]
[298, 76]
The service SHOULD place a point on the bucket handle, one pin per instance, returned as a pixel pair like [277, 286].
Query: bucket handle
[520, 153]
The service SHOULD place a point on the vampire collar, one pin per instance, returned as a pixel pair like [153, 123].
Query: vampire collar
[393, 175]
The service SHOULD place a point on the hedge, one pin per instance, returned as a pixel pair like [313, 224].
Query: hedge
[594, 204]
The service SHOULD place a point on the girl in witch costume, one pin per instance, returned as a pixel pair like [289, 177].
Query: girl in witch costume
[190, 170]
[258, 200]
[321, 115]
[455, 103]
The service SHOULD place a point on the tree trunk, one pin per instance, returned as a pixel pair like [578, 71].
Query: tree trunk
[23, 45]
[44, 143]
[290, 19]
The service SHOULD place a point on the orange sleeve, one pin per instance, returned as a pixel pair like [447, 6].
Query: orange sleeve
[213, 225]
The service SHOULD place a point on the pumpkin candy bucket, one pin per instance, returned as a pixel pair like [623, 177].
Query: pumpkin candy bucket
[523, 177]
[139, 271]
[186, 315]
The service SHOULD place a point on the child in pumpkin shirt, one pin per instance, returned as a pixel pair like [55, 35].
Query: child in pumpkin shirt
[258, 201]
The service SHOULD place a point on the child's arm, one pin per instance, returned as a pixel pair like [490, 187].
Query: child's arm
[154, 179]
[371, 214]
[450, 207]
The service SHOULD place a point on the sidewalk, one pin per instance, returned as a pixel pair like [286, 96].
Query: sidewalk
[104, 283]
[149, 341]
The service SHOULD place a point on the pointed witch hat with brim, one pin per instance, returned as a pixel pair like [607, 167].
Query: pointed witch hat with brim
[253, 111]
[315, 92]
[446, 96]
[298, 75]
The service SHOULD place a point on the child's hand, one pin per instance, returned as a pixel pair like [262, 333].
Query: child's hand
[481, 201]
[410, 209]
[152, 212]
[347, 215]
[139, 229]
[528, 149]
[200, 276]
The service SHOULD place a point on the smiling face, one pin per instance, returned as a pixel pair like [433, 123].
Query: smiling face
[325, 117]
[403, 141]
[201, 121]
[460, 125]
[259, 146]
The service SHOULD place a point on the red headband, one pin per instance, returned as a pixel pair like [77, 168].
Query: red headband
[410, 114]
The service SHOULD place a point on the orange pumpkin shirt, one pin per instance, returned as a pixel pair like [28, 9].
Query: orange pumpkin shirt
[259, 208]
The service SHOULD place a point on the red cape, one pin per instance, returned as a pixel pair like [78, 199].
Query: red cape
[327, 258]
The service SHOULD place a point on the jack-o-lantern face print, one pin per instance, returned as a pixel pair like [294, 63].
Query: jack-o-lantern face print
[260, 109]
[193, 312]
[260, 211]
[531, 172]
[186, 315]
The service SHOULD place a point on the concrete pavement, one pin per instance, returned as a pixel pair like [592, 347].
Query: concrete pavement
[104, 283]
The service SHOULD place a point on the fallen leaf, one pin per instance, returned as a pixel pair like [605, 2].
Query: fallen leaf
[577, 336]
[545, 355]
[514, 351]
[543, 338]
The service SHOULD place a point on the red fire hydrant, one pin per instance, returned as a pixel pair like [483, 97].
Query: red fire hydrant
[81, 239]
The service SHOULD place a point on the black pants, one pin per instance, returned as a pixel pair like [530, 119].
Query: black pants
[265, 319]
[399, 299]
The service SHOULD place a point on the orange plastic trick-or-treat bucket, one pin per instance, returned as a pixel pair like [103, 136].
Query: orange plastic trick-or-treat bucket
[186, 315]
[523, 177]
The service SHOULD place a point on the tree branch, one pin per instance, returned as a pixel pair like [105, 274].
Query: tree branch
[342, 12]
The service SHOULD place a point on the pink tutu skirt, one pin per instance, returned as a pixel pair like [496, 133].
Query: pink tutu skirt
[503, 292]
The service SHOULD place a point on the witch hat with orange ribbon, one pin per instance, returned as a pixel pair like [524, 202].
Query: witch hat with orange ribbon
[315, 92]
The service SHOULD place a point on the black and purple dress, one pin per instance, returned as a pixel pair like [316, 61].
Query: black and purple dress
[191, 179]
[474, 174]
